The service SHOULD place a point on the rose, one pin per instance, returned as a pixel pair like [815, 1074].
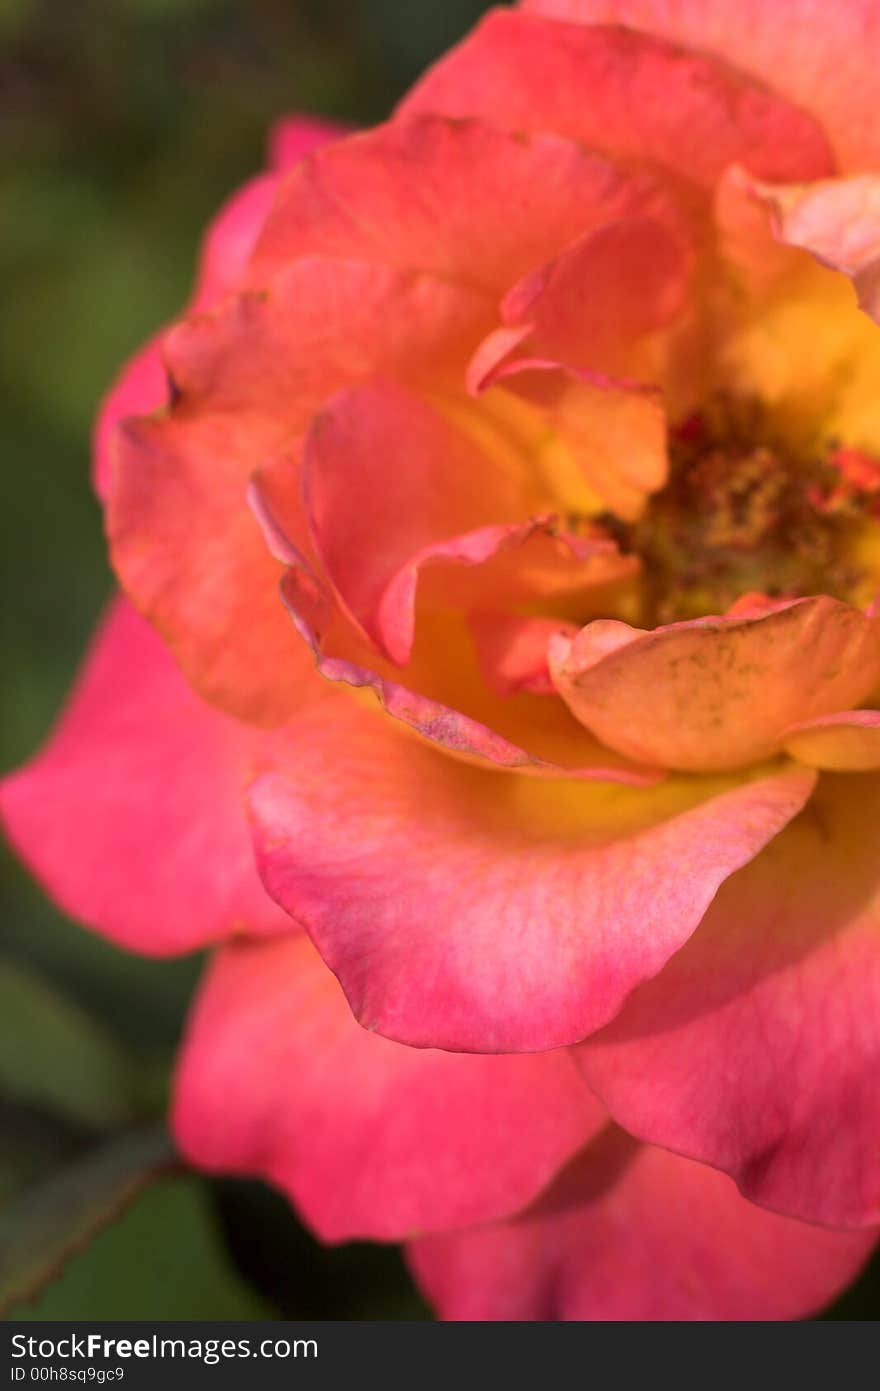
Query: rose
[665, 876]
[132, 816]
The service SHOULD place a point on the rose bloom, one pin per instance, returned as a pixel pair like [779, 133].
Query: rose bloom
[497, 678]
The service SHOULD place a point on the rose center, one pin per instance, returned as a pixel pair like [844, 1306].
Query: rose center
[741, 513]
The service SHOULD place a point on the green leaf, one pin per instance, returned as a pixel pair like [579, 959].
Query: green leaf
[163, 1259]
[54, 1055]
[46, 1225]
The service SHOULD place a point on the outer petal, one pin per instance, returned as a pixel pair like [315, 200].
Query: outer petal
[192, 558]
[248, 377]
[465, 910]
[368, 1138]
[460, 199]
[630, 94]
[821, 56]
[717, 693]
[140, 387]
[294, 137]
[132, 815]
[778, 997]
[629, 1233]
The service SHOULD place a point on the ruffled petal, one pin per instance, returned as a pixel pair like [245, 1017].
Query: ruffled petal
[485, 733]
[140, 387]
[248, 376]
[460, 199]
[369, 1139]
[191, 556]
[390, 485]
[465, 910]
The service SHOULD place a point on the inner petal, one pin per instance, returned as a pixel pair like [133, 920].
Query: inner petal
[774, 472]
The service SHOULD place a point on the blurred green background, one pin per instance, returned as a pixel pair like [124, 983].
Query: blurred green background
[123, 125]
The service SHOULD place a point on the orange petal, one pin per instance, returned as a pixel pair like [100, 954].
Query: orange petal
[847, 743]
[717, 693]
[607, 436]
[248, 377]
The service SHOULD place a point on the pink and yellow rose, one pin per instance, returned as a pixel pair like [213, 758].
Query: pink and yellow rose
[499, 531]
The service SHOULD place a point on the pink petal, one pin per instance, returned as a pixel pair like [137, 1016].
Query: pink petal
[132, 814]
[295, 137]
[631, 94]
[758, 1049]
[469, 911]
[393, 489]
[717, 693]
[844, 743]
[389, 485]
[369, 1139]
[230, 240]
[633, 1234]
[513, 650]
[820, 56]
